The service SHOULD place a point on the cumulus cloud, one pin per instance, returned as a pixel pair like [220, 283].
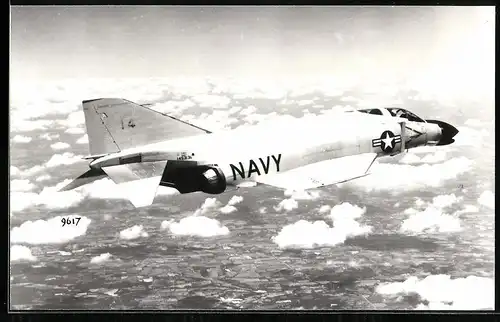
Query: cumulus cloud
[43, 177]
[195, 226]
[305, 234]
[83, 140]
[432, 220]
[287, 205]
[101, 258]
[249, 110]
[234, 109]
[21, 139]
[435, 157]
[49, 197]
[75, 130]
[49, 137]
[173, 107]
[19, 253]
[247, 184]
[66, 158]
[235, 200]
[473, 123]
[49, 231]
[208, 205]
[32, 171]
[22, 185]
[228, 209]
[14, 171]
[470, 137]
[467, 209]
[212, 101]
[59, 146]
[487, 199]
[302, 195]
[443, 201]
[444, 293]
[324, 209]
[19, 125]
[133, 232]
[74, 119]
[399, 178]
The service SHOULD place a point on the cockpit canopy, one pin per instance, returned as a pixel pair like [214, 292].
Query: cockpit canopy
[394, 112]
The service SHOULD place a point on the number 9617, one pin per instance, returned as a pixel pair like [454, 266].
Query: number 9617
[70, 221]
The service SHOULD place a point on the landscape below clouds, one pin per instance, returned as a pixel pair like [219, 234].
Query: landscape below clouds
[418, 233]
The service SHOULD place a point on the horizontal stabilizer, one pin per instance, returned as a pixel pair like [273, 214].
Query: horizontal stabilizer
[138, 182]
[87, 177]
[323, 173]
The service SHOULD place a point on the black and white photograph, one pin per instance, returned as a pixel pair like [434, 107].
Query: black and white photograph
[252, 158]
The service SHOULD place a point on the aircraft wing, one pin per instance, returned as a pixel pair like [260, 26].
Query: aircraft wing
[322, 174]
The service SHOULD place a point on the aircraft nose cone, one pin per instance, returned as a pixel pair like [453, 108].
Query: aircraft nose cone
[448, 132]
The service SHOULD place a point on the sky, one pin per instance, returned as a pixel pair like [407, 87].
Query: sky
[264, 42]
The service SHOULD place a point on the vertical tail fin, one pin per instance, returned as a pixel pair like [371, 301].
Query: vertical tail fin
[114, 124]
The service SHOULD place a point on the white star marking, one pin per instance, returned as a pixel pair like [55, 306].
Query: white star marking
[388, 141]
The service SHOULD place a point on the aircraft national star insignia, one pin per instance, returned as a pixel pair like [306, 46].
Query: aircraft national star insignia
[387, 141]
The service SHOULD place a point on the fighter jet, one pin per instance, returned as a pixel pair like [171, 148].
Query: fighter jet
[132, 144]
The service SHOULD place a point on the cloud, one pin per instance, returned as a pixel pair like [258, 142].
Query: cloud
[133, 232]
[21, 139]
[432, 219]
[287, 205]
[49, 197]
[401, 178]
[235, 200]
[101, 258]
[467, 209]
[59, 146]
[49, 137]
[435, 157]
[228, 209]
[22, 185]
[75, 130]
[43, 177]
[74, 119]
[32, 171]
[195, 226]
[66, 158]
[247, 184]
[473, 123]
[443, 201]
[208, 205]
[249, 110]
[14, 171]
[444, 293]
[234, 109]
[302, 195]
[470, 137]
[487, 199]
[324, 209]
[173, 107]
[19, 125]
[49, 231]
[83, 140]
[212, 101]
[19, 253]
[305, 234]
[305, 102]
